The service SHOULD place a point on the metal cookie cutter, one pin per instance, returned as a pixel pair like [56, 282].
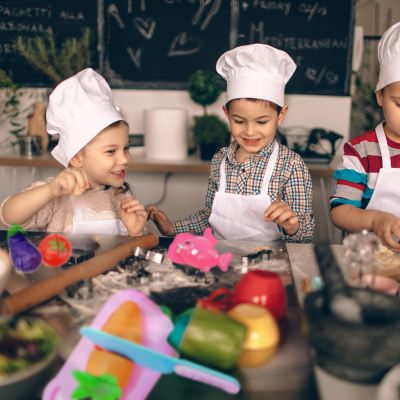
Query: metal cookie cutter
[254, 258]
[148, 255]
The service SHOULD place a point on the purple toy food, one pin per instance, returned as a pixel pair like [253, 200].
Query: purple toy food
[24, 255]
[198, 251]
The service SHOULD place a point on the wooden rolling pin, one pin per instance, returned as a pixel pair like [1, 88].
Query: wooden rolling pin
[48, 288]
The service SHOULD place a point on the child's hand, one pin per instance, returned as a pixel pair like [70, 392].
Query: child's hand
[70, 181]
[387, 228]
[133, 215]
[161, 220]
[281, 214]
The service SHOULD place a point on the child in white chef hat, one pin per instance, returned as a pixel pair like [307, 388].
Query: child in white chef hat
[258, 189]
[89, 195]
[367, 192]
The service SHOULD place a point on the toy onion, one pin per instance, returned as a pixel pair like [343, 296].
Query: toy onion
[24, 254]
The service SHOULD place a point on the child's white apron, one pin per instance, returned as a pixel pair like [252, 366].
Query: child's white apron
[241, 217]
[386, 196]
[111, 226]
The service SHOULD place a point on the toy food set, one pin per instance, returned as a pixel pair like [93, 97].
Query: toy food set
[53, 250]
[129, 315]
[198, 251]
[263, 288]
[47, 288]
[161, 362]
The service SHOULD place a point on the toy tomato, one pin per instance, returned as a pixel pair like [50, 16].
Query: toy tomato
[55, 249]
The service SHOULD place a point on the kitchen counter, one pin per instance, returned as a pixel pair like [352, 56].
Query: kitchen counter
[288, 376]
[191, 165]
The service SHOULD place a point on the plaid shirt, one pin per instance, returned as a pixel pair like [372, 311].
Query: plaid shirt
[290, 179]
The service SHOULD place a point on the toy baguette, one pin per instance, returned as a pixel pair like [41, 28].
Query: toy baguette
[125, 322]
[48, 288]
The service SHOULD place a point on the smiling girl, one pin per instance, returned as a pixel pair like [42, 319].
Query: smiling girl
[90, 195]
[258, 189]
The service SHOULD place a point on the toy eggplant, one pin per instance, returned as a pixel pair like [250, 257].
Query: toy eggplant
[24, 254]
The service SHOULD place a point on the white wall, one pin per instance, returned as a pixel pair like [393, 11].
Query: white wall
[329, 112]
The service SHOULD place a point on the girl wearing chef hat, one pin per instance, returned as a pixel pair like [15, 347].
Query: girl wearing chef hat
[367, 193]
[88, 196]
[258, 189]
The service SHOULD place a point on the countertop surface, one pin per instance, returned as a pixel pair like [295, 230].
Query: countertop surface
[140, 163]
[287, 376]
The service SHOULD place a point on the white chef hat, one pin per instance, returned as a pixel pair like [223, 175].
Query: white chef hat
[256, 71]
[79, 108]
[389, 57]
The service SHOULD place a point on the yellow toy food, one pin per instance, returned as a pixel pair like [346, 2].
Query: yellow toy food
[126, 323]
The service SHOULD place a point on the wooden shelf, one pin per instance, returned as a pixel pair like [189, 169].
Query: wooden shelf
[190, 165]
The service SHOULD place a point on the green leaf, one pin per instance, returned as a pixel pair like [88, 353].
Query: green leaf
[14, 229]
[103, 387]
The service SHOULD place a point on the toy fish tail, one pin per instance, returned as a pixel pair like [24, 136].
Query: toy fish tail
[224, 260]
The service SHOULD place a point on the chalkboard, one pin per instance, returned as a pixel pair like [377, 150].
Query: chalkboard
[31, 18]
[159, 43]
[317, 34]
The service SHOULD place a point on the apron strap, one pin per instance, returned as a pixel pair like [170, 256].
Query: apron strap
[222, 177]
[270, 169]
[383, 146]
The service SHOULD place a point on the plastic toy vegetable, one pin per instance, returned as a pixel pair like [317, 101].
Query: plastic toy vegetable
[55, 250]
[24, 254]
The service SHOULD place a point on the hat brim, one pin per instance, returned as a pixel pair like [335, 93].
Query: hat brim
[88, 124]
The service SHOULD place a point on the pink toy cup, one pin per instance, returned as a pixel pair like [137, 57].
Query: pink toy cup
[264, 288]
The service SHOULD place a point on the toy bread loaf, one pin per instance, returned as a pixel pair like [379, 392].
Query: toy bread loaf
[46, 289]
[125, 322]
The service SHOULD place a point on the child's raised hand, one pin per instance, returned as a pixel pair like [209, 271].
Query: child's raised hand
[281, 214]
[70, 181]
[387, 227]
[133, 215]
[161, 220]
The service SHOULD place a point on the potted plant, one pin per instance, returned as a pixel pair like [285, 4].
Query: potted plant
[209, 131]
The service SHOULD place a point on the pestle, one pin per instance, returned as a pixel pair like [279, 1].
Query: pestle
[337, 295]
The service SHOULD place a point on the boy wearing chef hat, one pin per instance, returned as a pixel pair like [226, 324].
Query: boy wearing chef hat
[367, 193]
[258, 189]
[90, 194]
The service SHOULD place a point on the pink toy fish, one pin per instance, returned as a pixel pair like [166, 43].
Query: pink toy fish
[198, 251]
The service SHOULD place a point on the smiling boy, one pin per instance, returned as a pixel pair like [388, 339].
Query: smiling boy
[258, 189]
